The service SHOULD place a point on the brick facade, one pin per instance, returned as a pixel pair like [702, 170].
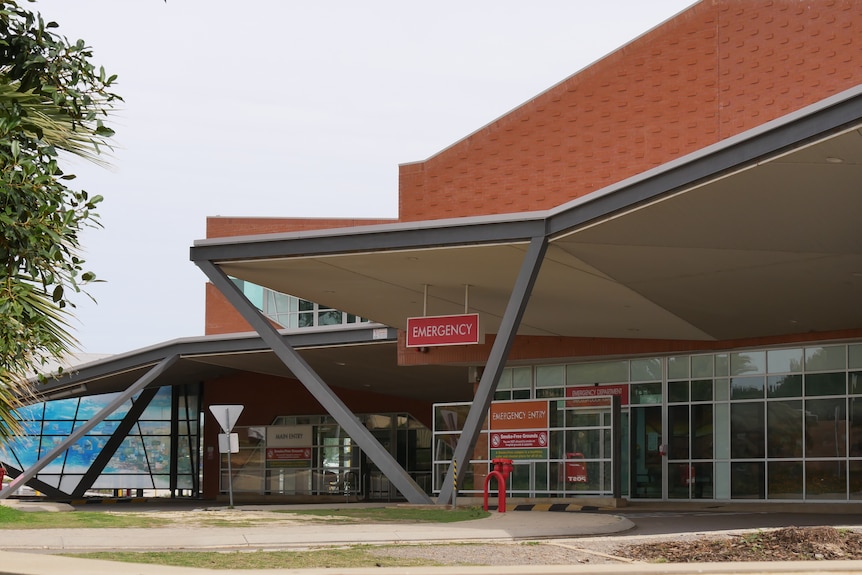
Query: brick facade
[715, 70]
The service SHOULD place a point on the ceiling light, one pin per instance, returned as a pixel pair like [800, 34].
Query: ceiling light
[834, 160]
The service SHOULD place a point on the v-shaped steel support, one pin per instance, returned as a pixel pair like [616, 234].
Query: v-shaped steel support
[81, 431]
[496, 362]
[316, 386]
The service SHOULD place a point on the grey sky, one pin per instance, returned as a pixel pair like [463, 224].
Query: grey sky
[295, 109]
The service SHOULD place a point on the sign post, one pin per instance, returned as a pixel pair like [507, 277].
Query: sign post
[227, 416]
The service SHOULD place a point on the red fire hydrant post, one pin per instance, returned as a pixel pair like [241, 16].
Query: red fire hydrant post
[502, 469]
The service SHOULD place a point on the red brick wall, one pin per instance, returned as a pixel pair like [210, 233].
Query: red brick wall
[285, 397]
[221, 316]
[718, 69]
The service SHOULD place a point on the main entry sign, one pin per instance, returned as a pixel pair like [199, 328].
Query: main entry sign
[437, 330]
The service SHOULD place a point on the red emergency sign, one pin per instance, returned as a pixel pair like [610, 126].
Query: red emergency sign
[429, 331]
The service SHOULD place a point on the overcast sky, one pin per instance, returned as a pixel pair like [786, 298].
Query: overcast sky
[295, 109]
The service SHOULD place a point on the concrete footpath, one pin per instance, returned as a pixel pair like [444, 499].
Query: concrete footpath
[32, 552]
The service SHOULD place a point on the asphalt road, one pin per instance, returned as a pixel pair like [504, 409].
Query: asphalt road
[669, 522]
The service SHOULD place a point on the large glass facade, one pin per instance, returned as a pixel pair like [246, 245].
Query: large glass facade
[766, 424]
[325, 461]
[150, 443]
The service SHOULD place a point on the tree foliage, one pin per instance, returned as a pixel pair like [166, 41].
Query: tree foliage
[53, 101]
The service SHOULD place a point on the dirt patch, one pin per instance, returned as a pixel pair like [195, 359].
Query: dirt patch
[786, 544]
[222, 517]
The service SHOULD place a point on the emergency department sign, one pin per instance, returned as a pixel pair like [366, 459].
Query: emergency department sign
[431, 331]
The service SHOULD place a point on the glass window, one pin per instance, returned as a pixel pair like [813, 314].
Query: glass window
[855, 468]
[701, 390]
[722, 389]
[330, 317]
[551, 376]
[746, 388]
[678, 429]
[854, 353]
[855, 427]
[522, 377]
[785, 480]
[784, 419]
[600, 372]
[701, 367]
[825, 383]
[505, 381]
[748, 362]
[825, 480]
[549, 393]
[677, 391]
[855, 380]
[677, 367]
[450, 417]
[784, 386]
[701, 431]
[747, 480]
[646, 369]
[722, 365]
[784, 360]
[747, 430]
[825, 358]
[645, 393]
[824, 428]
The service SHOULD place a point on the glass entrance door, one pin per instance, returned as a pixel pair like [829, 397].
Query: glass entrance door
[646, 452]
[588, 468]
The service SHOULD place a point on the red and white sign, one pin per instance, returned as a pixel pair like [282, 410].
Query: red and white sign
[519, 440]
[288, 453]
[430, 331]
[584, 396]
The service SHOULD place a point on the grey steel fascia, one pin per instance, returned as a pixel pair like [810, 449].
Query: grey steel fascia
[205, 346]
[390, 237]
[79, 432]
[316, 386]
[518, 300]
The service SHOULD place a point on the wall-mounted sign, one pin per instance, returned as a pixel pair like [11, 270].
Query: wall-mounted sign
[519, 445]
[288, 457]
[289, 446]
[595, 395]
[519, 429]
[519, 415]
[430, 331]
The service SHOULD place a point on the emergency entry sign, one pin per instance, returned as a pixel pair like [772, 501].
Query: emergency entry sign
[429, 331]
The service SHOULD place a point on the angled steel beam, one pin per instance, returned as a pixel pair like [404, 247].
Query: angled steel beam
[80, 432]
[496, 362]
[114, 442]
[315, 385]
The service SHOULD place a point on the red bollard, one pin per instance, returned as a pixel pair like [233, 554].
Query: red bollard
[501, 488]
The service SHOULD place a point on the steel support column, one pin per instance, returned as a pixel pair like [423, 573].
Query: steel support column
[80, 432]
[316, 386]
[496, 362]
